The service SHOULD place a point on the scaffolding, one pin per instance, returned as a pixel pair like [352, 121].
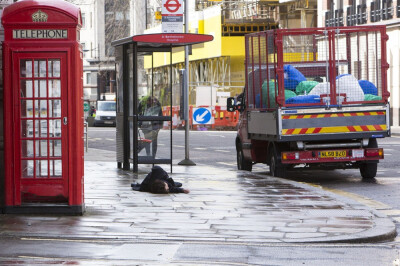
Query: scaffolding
[240, 17]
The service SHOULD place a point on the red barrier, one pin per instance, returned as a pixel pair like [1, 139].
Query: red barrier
[222, 118]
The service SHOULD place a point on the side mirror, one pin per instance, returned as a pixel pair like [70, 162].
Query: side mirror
[230, 104]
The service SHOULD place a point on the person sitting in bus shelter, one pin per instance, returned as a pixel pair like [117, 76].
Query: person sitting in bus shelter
[158, 182]
[150, 106]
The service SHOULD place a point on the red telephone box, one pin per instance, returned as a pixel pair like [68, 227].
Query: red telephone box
[43, 113]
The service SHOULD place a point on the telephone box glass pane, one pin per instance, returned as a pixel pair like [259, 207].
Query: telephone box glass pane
[41, 148]
[55, 128]
[27, 168]
[54, 68]
[26, 108]
[27, 148]
[40, 89]
[38, 129]
[26, 68]
[55, 148]
[54, 88]
[55, 108]
[36, 68]
[42, 168]
[26, 128]
[40, 68]
[26, 89]
[42, 106]
[55, 168]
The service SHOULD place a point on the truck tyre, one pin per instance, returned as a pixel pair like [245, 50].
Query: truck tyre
[242, 163]
[368, 170]
[275, 167]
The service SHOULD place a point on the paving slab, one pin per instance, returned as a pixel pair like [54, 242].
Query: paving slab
[224, 206]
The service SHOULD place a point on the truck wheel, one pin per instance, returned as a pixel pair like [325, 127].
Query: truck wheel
[242, 163]
[275, 167]
[368, 170]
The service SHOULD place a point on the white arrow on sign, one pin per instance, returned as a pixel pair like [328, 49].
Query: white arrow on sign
[200, 118]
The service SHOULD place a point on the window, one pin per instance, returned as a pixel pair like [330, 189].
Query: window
[356, 14]
[362, 13]
[89, 78]
[398, 9]
[334, 17]
[351, 18]
[387, 9]
[381, 10]
[83, 49]
[83, 20]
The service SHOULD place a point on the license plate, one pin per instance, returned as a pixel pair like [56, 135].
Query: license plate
[108, 122]
[332, 154]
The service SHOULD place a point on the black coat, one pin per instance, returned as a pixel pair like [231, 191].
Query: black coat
[157, 173]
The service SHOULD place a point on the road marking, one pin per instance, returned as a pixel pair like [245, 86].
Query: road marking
[364, 200]
[222, 151]
[374, 204]
[200, 149]
[179, 146]
[229, 164]
[110, 139]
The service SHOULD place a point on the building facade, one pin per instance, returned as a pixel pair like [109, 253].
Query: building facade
[217, 68]
[103, 22]
[370, 12]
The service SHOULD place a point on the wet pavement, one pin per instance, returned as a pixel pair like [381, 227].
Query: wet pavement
[229, 217]
[223, 206]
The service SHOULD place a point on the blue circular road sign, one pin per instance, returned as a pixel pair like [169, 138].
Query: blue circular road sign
[202, 116]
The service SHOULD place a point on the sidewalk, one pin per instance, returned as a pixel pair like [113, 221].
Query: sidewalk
[223, 206]
[395, 131]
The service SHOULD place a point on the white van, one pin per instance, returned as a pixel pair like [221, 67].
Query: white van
[105, 113]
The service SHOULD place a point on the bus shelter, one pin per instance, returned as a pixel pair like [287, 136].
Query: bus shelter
[146, 98]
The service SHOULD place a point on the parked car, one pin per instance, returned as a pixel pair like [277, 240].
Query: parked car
[106, 112]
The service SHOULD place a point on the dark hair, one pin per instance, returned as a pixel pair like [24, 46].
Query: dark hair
[158, 187]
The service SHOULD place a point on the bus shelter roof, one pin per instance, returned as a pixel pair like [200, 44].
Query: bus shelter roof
[164, 40]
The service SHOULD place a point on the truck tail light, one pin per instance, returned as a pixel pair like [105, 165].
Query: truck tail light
[373, 152]
[290, 156]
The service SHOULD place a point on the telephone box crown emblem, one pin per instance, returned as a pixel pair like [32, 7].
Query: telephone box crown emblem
[39, 16]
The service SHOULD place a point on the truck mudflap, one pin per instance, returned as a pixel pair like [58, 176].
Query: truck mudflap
[332, 156]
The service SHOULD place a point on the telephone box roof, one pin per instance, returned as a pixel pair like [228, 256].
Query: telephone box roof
[60, 6]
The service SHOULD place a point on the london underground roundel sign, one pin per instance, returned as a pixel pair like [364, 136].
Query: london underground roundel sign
[172, 5]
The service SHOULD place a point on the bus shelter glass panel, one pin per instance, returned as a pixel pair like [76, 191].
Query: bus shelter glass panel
[153, 112]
